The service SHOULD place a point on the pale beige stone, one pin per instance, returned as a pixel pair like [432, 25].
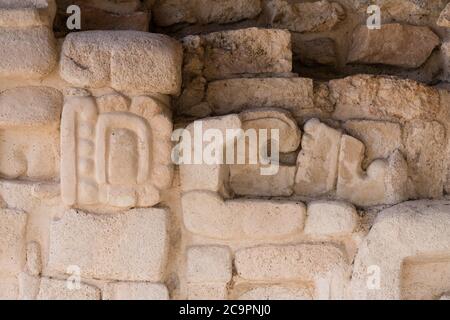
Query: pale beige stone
[34, 259]
[415, 12]
[207, 291]
[444, 18]
[394, 44]
[445, 297]
[445, 49]
[255, 51]
[169, 12]
[208, 264]
[196, 175]
[9, 289]
[425, 145]
[110, 58]
[135, 291]
[330, 218]
[412, 230]
[236, 95]
[384, 181]
[53, 289]
[115, 151]
[380, 138]
[315, 16]
[12, 241]
[28, 286]
[130, 246]
[277, 292]
[317, 161]
[207, 214]
[302, 262]
[385, 98]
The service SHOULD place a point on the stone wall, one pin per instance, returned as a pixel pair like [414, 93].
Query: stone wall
[93, 207]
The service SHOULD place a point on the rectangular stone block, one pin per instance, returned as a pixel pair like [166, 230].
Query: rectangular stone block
[255, 51]
[135, 291]
[54, 289]
[209, 264]
[235, 95]
[129, 246]
[331, 218]
[12, 241]
[207, 291]
[123, 60]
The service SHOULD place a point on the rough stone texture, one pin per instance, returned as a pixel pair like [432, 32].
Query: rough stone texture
[444, 18]
[236, 95]
[206, 214]
[253, 51]
[12, 241]
[331, 218]
[207, 291]
[208, 264]
[410, 230]
[130, 246]
[317, 162]
[275, 292]
[169, 12]
[315, 16]
[135, 291]
[394, 44]
[105, 58]
[53, 289]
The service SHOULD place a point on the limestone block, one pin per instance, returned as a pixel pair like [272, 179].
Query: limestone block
[207, 291]
[28, 46]
[317, 161]
[236, 95]
[208, 264]
[331, 218]
[394, 44]
[246, 180]
[384, 181]
[169, 12]
[34, 259]
[412, 231]
[115, 151]
[277, 292]
[383, 98]
[425, 145]
[315, 16]
[29, 131]
[113, 6]
[253, 50]
[12, 241]
[109, 58]
[53, 289]
[322, 51]
[135, 291]
[198, 175]
[207, 214]
[130, 246]
[444, 18]
[445, 49]
[302, 262]
[9, 289]
[380, 138]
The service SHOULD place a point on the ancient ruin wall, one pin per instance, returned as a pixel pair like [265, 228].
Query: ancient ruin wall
[92, 205]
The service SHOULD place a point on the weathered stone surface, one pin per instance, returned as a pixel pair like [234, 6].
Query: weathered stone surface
[331, 218]
[236, 95]
[135, 291]
[416, 12]
[380, 138]
[320, 51]
[9, 289]
[208, 264]
[113, 6]
[34, 258]
[317, 162]
[444, 18]
[276, 292]
[207, 291]
[169, 12]
[384, 181]
[425, 145]
[315, 16]
[303, 262]
[254, 50]
[130, 247]
[12, 241]
[107, 58]
[416, 230]
[53, 289]
[445, 49]
[383, 98]
[394, 44]
[206, 214]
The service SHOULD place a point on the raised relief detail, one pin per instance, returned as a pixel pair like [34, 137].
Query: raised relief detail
[115, 152]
